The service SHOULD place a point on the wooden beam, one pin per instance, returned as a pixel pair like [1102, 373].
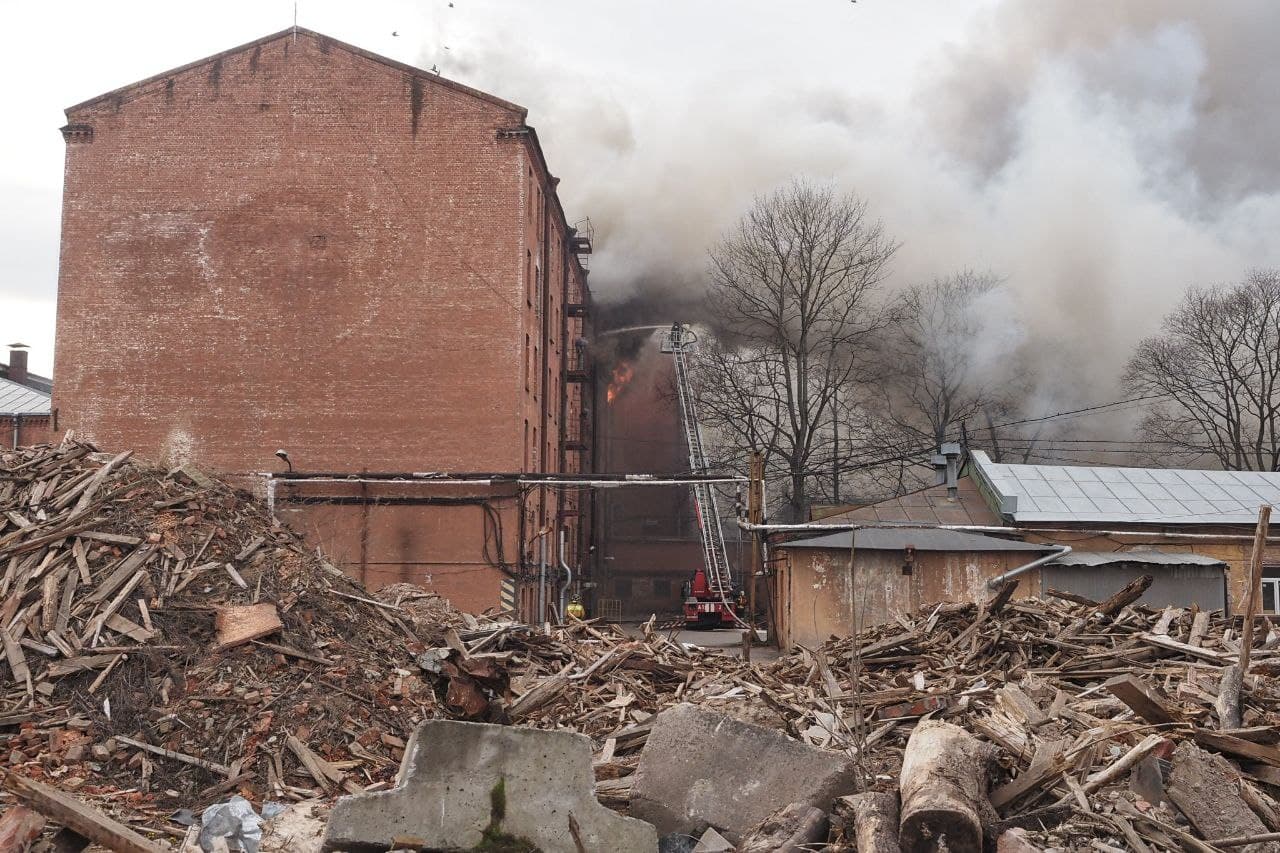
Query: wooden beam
[1141, 699]
[1255, 585]
[66, 810]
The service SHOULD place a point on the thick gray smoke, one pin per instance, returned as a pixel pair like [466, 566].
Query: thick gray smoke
[1100, 156]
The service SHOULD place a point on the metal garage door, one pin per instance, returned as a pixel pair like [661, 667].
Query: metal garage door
[1180, 586]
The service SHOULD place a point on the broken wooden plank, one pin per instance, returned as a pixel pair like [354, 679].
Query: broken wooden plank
[1142, 699]
[211, 766]
[73, 813]
[240, 624]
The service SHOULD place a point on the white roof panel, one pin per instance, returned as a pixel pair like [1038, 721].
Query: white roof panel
[1150, 495]
[18, 399]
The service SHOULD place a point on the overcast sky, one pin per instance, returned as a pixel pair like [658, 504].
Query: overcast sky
[1101, 155]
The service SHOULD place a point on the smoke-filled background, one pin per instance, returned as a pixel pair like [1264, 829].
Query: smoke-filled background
[1099, 155]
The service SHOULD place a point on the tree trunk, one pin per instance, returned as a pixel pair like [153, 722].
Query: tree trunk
[875, 821]
[944, 789]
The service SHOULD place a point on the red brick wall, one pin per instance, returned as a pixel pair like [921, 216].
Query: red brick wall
[32, 429]
[265, 252]
[296, 245]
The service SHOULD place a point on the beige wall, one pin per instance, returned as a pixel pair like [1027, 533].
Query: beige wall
[817, 597]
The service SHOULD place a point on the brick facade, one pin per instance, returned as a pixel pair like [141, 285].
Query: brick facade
[297, 244]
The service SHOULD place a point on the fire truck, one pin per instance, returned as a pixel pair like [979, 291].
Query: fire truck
[712, 600]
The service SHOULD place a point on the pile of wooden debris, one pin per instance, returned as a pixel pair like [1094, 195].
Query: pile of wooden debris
[167, 644]
[1101, 720]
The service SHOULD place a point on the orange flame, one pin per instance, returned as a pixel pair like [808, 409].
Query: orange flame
[621, 376]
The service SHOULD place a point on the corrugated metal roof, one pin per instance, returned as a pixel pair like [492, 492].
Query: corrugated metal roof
[1154, 558]
[922, 539]
[930, 505]
[1068, 493]
[19, 399]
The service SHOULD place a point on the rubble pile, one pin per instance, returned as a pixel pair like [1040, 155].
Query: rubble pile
[166, 644]
[1084, 719]
[1098, 717]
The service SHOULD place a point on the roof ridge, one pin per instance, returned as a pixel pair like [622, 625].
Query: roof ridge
[139, 85]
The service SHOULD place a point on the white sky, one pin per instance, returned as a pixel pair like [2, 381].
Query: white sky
[58, 54]
[1101, 155]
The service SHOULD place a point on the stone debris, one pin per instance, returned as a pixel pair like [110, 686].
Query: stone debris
[463, 785]
[700, 769]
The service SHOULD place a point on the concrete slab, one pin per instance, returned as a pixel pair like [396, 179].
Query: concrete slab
[701, 769]
[461, 783]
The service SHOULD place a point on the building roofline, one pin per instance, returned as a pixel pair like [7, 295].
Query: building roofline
[140, 85]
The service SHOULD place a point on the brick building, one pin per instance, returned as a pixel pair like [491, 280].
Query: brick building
[297, 244]
[26, 413]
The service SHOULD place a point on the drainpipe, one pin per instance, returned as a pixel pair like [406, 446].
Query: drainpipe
[568, 576]
[542, 578]
[999, 579]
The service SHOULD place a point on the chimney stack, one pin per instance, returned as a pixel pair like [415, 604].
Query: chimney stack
[951, 452]
[18, 363]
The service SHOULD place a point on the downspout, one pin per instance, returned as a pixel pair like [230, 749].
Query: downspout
[568, 576]
[999, 579]
[542, 579]
[544, 387]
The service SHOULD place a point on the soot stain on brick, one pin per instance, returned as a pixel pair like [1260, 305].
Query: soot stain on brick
[324, 45]
[253, 59]
[415, 103]
[168, 89]
[215, 75]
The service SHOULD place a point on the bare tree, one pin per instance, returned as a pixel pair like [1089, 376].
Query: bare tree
[792, 298]
[946, 361]
[1216, 370]
[935, 373]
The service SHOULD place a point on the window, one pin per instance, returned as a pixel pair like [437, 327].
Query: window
[528, 362]
[526, 444]
[1271, 588]
[528, 276]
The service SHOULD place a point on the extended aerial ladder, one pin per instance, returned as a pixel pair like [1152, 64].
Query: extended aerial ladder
[710, 603]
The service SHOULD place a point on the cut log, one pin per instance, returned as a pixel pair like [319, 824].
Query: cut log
[1124, 597]
[788, 830]
[944, 789]
[1206, 788]
[19, 826]
[68, 811]
[875, 821]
